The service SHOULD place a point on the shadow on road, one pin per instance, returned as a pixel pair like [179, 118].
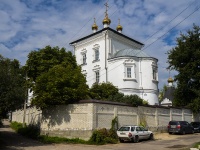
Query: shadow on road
[10, 140]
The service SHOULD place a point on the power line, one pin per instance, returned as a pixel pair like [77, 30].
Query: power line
[169, 21]
[150, 36]
[172, 28]
[83, 26]
[97, 19]
[157, 38]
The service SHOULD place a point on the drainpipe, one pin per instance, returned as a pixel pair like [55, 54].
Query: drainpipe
[106, 67]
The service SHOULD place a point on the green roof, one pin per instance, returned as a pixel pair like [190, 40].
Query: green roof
[130, 52]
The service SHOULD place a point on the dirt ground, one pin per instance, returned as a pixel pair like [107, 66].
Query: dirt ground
[165, 136]
[9, 140]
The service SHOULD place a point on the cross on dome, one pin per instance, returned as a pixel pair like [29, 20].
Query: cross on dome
[106, 20]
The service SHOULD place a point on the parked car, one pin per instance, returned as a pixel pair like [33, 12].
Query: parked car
[196, 126]
[133, 133]
[181, 127]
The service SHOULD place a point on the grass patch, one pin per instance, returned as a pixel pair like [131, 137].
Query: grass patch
[49, 140]
[99, 137]
[31, 131]
[196, 145]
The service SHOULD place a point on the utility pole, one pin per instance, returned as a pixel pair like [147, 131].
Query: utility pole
[25, 101]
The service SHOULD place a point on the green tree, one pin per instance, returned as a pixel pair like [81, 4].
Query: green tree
[103, 91]
[185, 59]
[108, 92]
[57, 77]
[42, 60]
[161, 93]
[62, 84]
[134, 100]
[12, 89]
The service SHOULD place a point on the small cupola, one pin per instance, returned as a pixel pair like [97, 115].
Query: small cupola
[106, 21]
[94, 26]
[119, 27]
[170, 81]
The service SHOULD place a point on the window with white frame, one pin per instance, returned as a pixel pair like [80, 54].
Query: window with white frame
[130, 71]
[154, 71]
[154, 74]
[96, 53]
[97, 76]
[84, 58]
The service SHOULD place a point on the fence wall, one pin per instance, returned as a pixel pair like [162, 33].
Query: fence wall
[79, 120]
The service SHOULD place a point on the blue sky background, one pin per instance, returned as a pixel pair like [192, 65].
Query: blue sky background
[27, 25]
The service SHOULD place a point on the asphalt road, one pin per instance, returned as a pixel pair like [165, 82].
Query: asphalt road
[9, 140]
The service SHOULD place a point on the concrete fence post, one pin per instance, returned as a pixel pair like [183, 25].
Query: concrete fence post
[170, 114]
[156, 118]
[183, 113]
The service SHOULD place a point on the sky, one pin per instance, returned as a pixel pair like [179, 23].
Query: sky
[27, 25]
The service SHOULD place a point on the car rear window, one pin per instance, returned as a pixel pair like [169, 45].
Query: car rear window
[195, 123]
[124, 129]
[173, 123]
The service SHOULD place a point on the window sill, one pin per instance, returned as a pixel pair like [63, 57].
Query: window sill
[129, 79]
[83, 64]
[155, 81]
[95, 61]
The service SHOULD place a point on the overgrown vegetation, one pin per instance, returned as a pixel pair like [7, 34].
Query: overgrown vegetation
[108, 92]
[103, 136]
[196, 145]
[31, 131]
[100, 136]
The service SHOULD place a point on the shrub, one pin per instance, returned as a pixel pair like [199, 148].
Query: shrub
[47, 139]
[103, 136]
[16, 126]
[31, 131]
[98, 136]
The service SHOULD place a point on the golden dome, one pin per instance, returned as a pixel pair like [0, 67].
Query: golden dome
[94, 26]
[106, 20]
[119, 27]
[170, 80]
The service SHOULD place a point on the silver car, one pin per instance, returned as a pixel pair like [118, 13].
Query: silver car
[133, 133]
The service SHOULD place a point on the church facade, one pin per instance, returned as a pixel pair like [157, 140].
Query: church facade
[108, 55]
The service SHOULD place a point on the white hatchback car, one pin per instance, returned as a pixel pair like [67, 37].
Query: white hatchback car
[133, 133]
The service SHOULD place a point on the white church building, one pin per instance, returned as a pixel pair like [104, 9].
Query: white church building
[108, 55]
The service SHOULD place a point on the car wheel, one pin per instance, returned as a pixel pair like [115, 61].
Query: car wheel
[192, 131]
[121, 141]
[183, 132]
[170, 132]
[151, 137]
[136, 139]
